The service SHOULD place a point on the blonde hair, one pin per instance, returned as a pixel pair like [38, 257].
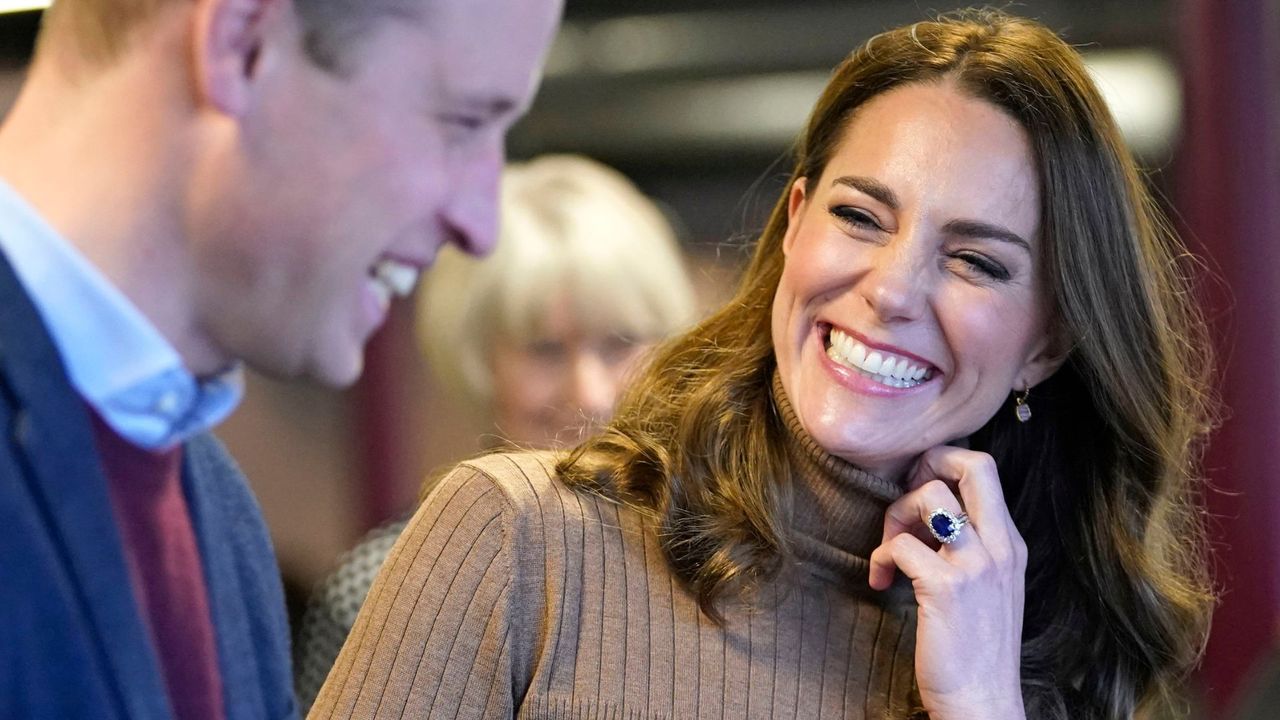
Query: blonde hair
[570, 228]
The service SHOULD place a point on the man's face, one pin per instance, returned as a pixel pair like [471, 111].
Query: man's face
[331, 191]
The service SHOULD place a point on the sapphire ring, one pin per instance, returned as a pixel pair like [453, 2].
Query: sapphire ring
[946, 525]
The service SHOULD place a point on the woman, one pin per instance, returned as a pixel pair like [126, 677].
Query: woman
[964, 302]
[587, 276]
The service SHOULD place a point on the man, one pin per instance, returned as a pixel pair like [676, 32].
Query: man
[184, 185]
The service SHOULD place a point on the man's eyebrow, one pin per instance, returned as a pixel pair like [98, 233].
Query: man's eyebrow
[870, 186]
[981, 230]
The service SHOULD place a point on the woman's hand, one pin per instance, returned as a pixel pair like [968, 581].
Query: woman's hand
[970, 592]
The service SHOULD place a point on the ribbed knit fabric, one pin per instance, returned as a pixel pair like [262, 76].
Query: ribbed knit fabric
[511, 595]
[333, 607]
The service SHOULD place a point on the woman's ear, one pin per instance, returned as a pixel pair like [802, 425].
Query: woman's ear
[228, 41]
[795, 206]
[1046, 356]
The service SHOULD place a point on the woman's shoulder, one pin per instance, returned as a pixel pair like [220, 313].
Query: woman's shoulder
[519, 475]
[524, 487]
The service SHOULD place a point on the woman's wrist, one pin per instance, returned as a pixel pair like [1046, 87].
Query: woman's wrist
[1002, 708]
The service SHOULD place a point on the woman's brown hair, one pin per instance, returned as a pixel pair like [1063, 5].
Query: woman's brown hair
[1101, 483]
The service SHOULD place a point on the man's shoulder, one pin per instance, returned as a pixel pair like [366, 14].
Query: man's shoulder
[32, 372]
[224, 507]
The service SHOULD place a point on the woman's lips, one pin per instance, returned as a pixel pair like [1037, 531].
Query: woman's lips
[872, 366]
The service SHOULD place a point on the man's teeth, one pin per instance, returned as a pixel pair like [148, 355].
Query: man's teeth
[381, 293]
[885, 368]
[398, 278]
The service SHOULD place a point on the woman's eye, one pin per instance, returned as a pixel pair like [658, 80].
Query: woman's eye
[617, 348]
[547, 350]
[856, 218]
[983, 265]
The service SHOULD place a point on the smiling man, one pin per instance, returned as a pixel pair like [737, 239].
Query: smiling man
[186, 185]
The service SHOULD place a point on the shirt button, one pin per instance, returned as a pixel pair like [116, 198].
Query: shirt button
[167, 403]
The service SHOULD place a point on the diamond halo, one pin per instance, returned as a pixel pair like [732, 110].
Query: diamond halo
[946, 525]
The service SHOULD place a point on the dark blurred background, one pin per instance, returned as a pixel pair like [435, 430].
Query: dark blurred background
[698, 102]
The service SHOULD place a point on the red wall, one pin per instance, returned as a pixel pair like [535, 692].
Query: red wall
[1229, 197]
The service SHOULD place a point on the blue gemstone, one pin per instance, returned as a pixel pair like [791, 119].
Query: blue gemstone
[942, 525]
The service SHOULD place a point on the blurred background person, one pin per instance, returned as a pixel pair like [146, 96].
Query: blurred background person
[587, 275]
[542, 335]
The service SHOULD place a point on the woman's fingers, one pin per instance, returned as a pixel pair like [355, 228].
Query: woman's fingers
[910, 513]
[974, 475]
[908, 517]
[907, 553]
[990, 541]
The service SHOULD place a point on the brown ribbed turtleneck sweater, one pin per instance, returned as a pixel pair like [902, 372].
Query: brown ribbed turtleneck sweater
[510, 595]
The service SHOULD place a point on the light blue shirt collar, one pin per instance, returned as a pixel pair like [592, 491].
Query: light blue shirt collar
[116, 359]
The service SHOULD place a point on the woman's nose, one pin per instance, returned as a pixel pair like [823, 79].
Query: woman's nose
[896, 285]
[593, 386]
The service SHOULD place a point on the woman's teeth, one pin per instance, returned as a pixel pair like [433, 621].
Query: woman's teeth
[885, 368]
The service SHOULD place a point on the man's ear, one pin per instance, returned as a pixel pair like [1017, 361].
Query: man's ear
[228, 41]
[795, 205]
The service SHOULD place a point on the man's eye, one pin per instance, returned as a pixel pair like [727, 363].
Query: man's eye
[464, 122]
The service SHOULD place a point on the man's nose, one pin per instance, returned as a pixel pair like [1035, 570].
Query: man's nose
[471, 215]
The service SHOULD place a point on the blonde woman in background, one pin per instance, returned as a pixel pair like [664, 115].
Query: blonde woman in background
[587, 275]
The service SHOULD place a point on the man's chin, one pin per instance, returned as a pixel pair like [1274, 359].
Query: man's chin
[338, 372]
[334, 370]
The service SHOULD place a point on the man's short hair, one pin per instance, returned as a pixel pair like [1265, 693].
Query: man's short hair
[101, 29]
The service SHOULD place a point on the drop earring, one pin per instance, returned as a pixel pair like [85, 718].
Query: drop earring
[1022, 410]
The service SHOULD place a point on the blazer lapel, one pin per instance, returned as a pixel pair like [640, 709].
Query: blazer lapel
[52, 436]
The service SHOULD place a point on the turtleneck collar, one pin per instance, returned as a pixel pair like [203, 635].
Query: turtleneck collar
[837, 509]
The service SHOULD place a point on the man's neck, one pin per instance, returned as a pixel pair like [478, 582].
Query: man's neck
[109, 174]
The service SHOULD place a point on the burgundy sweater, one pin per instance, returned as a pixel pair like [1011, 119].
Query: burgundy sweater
[164, 564]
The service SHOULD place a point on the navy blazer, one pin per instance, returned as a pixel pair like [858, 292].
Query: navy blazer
[72, 641]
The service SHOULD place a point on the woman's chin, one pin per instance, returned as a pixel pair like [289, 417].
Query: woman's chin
[879, 460]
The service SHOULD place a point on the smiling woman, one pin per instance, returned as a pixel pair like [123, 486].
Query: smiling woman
[914, 253]
[831, 498]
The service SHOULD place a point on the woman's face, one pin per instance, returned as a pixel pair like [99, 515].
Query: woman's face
[548, 390]
[911, 303]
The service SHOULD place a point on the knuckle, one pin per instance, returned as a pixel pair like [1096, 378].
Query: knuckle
[984, 463]
[1002, 559]
[936, 491]
[987, 569]
[1020, 550]
[901, 542]
[952, 584]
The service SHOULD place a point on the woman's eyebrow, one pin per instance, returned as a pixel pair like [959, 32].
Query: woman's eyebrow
[981, 230]
[870, 186]
[965, 228]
